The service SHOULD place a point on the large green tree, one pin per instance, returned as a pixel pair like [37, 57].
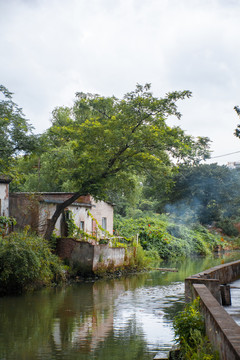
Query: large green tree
[102, 142]
[15, 133]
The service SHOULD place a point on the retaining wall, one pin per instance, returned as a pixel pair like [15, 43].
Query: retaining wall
[87, 257]
[213, 278]
[221, 329]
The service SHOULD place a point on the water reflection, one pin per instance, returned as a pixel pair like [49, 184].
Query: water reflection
[125, 319]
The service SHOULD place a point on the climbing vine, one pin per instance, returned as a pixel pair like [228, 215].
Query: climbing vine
[74, 230]
[6, 224]
[100, 227]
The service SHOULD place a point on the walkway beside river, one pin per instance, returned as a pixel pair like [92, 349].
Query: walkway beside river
[234, 309]
[221, 328]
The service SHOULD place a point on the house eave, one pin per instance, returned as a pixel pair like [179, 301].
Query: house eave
[5, 179]
[61, 202]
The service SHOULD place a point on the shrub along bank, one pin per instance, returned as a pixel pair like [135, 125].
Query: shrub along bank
[26, 262]
[190, 334]
[162, 234]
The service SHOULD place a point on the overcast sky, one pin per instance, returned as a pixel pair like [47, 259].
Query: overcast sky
[50, 49]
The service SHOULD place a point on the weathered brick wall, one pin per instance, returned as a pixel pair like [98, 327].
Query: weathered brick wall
[64, 247]
[25, 209]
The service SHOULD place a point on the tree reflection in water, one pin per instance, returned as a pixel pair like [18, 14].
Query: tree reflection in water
[128, 318]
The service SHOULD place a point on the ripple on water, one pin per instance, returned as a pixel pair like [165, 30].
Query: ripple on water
[145, 309]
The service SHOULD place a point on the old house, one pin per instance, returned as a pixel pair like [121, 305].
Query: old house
[93, 217]
[4, 195]
[37, 209]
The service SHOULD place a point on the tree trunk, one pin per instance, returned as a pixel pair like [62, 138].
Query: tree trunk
[60, 207]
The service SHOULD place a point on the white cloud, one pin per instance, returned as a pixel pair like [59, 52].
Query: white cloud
[51, 49]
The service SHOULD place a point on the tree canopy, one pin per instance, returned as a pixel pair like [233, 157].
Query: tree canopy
[101, 143]
[101, 140]
[237, 130]
[15, 133]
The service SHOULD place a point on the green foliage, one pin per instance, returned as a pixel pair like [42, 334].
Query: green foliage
[169, 239]
[6, 224]
[101, 143]
[190, 333]
[26, 262]
[237, 130]
[227, 226]
[15, 133]
[72, 229]
[188, 323]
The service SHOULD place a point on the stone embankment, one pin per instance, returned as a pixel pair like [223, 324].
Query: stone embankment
[211, 286]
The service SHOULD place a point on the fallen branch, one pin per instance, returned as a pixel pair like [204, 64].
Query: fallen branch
[166, 269]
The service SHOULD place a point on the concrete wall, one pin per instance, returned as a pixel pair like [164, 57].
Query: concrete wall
[221, 329]
[213, 278]
[225, 273]
[87, 257]
[106, 256]
[4, 199]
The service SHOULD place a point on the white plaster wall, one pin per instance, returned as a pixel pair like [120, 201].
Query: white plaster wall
[102, 209]
[46, 211]
[79, 214]
[4, 197]
[99, 210]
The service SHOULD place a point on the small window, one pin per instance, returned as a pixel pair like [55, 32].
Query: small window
[104, 223]
[82, 225]
[68, 214]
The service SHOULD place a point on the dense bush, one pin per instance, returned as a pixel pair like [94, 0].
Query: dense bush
[190, 334]
[160, 233]
[227, 226]
[26, 262]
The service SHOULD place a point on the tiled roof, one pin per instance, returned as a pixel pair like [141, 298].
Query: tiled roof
[5, 179]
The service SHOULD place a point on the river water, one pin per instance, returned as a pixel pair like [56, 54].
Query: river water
[121, 319]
